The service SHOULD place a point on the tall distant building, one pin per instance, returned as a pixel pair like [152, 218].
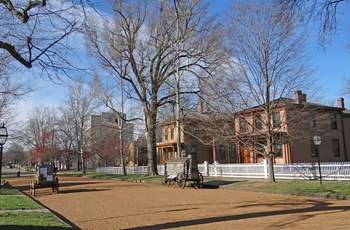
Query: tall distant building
[103, 139]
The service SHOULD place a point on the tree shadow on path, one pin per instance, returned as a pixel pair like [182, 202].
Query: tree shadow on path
[316, 207]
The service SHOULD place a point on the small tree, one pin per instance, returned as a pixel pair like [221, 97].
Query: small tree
[39, 134]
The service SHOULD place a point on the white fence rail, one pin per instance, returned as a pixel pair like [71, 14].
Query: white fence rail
[138, 170]
[305, 171]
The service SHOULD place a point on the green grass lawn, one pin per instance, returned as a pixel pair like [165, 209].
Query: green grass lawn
[341, 188]
[18, 211]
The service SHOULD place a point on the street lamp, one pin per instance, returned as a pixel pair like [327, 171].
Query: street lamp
[3, 139]
[317, 142]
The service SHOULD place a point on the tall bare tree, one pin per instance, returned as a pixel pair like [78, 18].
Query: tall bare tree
[145, 36]
[82, 101]
[268, 63]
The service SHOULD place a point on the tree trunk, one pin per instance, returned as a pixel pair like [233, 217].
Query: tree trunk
[78, 161]
[83, 166]
[68, 165]
[122, 158]
[151, 124]
[271, 169]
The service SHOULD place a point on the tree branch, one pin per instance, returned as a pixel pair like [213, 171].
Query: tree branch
[12, 50]
[22, 16]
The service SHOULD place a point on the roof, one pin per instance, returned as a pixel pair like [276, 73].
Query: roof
[192, 115]
[284, 101]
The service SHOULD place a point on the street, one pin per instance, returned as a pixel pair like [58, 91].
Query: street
[5, 172]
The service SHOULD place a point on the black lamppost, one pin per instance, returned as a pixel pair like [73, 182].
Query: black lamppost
[3, 139]
[317, 142]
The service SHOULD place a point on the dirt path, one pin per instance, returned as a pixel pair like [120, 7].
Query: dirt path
[108, 204]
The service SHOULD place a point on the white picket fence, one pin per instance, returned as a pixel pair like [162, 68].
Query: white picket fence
[305, 171]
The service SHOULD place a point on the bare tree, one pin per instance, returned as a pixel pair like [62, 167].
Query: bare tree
[117, 103]
[82, 101]
[34, 33]
[145, 36]
[267, 64]
[65, 134]
[16, 154]
[39, 134]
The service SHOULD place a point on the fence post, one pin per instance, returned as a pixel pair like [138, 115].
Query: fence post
[215, 168]
[265, 169]
[206, 168]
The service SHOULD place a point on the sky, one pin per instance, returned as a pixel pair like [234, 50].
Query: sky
[332, 65]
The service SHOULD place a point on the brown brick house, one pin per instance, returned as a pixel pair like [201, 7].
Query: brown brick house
[295, 122]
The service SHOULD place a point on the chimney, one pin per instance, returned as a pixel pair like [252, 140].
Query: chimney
[300, 97]
[200, 106]
[341, 102]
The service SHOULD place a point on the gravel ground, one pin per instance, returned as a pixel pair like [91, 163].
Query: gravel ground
[109, 204]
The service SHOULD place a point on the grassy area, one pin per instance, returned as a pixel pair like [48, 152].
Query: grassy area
[14, 213]
[338, 188]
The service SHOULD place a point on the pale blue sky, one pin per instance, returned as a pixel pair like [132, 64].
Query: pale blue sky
[332, 64]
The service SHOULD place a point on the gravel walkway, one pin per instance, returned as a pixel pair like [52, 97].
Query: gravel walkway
[108, 204]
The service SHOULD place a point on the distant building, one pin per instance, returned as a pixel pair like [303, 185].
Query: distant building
[103, 139]
[202, 134]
